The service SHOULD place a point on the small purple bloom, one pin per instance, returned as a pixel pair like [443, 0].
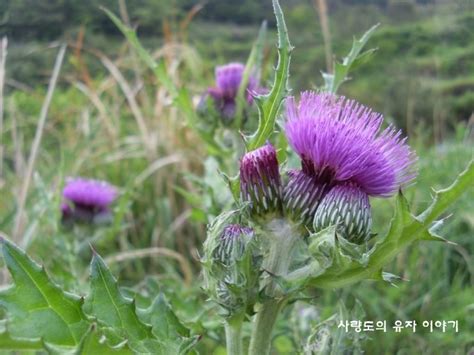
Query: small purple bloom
[260, 182]
[87, 199]
[339, 140]
[228, 79]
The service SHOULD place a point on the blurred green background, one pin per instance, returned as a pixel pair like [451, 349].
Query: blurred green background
[421, 78]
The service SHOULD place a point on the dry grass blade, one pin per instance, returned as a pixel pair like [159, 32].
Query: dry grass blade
[132, 102]
[103, 115]
[322, 8]
[156, 165]
[3, 58]
[36, 143]
[150, 252]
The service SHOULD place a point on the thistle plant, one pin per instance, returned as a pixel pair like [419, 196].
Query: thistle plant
[287, 234]
[313, 225]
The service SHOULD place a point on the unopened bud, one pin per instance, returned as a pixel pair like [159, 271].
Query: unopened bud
[260, 183]
[347, 207]
[302, 195]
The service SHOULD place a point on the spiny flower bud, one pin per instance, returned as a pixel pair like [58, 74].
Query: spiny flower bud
[302, 195]
[231, 267]
[347, 207]
[232, 244]
[260, 183]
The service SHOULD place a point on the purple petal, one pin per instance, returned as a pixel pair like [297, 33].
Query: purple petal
[338, 140]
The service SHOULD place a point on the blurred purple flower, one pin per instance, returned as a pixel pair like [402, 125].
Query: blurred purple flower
[87, 199]
[228, 79]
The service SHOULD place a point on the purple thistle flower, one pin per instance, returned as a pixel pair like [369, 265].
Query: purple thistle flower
[260, 182]
[347, 207]
[87, 199]
[339, 140]
[228, 79]
[345, 157]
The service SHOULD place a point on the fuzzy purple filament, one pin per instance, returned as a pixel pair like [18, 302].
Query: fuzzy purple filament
[340, 140]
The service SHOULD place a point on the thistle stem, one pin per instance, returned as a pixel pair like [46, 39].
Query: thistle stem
[282, 242]
[261, 340]
[233, 336]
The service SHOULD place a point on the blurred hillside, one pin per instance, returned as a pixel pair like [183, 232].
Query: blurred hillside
[422, 76]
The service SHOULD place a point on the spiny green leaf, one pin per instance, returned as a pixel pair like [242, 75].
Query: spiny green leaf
[7, 342]
[404, 230]
[167, 327]
[163, 320]
[443, 198]
[110, 307]
[36, 307]
[269, 104]
[94, 342]
[352, 60]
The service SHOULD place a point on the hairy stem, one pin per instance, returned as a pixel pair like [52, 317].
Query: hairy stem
[282, 240]
[233, 336]
[261, 340]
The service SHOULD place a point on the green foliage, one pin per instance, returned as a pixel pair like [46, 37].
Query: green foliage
[424, 62]
[42, 315]
[37, 308]
[404, 230]
[108, 305]
[269, 104]
[351, 61]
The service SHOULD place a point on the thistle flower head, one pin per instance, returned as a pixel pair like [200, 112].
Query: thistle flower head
[228, 79]
[260, 183]
[85, 199]
[340, 140]
[348, 208]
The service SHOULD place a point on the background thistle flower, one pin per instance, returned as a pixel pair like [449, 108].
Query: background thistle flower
[260, 182]
[342, 148]
[87, 200]
[224, 94]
